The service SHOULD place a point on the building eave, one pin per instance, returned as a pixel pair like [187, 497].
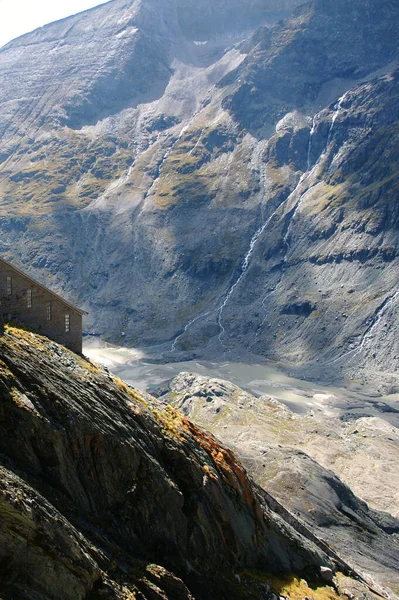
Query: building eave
[43, 287]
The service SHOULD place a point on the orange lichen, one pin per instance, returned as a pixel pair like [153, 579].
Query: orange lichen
[223, 459]
[208, 472]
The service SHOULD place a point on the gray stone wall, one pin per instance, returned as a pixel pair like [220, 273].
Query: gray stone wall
[46, 313]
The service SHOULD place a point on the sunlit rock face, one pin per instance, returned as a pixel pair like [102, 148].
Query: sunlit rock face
[211, 176]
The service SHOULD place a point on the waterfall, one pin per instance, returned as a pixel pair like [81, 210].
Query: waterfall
[341, 100]
[303, 176]
[258, 233]
[285, 240]
[296, 209]
[244, 268]
[312, 130]
[369, 331]
[99, 202]
[256, 163]
[177, 338]
[380, 313]
[197, 142]
[378, 316]
[169, 150]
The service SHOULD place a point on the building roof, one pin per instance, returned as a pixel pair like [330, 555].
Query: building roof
[43, 287]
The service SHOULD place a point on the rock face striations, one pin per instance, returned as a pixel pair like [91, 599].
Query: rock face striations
[106, 493]
[211, 176]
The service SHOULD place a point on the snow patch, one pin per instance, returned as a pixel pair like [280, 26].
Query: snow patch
[127, 32]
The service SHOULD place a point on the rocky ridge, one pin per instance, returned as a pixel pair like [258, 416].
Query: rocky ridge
[106, 493]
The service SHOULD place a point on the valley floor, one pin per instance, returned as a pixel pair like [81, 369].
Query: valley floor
[148, 373]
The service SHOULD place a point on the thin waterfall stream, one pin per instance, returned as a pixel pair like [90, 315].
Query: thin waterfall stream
[367, 335]
[341, 100]
[244, 268]
[259, 232]
[285, 239]
[312, 130]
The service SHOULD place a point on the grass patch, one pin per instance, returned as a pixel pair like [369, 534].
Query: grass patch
[184, 179]
[295, 586]
[66, 171]
[26, 335]
[171, 421]
[133, 394]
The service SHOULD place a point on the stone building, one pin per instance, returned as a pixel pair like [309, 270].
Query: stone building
[24, 300]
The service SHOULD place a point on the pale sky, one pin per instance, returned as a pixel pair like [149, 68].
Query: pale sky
[20, 16]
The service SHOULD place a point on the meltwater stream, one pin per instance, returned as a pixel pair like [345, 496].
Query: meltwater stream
[219, 309]
[368, 333]
[260, 231]
[244, 268]
[341, 100]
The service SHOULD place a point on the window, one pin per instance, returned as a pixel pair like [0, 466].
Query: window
[48, 311]
[67, 323]
[9, 285]
[29, 298]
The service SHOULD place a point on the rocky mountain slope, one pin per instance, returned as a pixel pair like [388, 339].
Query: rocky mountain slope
[106, 493]
[311, 463]
[206, 177]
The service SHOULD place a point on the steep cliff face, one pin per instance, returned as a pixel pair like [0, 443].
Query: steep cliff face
[202, 185]
[289, 66]
[331, 249]
[105, 492]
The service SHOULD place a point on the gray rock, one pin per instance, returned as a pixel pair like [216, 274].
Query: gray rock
[327, 574]
[106, 492]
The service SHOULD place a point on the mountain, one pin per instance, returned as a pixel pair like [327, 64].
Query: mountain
[105, 492]
[206, 177]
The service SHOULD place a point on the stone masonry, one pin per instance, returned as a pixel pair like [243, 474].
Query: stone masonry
[24, 300]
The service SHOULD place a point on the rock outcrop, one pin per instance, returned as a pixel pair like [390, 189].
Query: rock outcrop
[206, 178]
[105, 492]
[310, 463]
